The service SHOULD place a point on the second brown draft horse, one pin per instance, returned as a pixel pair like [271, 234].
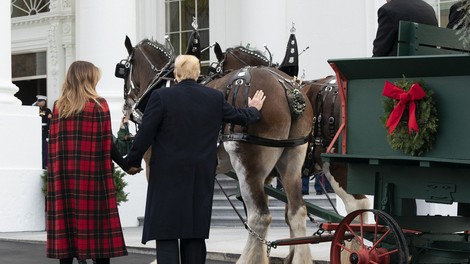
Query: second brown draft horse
[276, 142]
[324, 97]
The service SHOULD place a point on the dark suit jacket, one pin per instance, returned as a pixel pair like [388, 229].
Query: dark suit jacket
[455, 15]
[182, 124]
[389, 16]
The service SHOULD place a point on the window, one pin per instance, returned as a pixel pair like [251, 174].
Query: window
[442, 8]
[29, 74]
[21, 8]
[179, 16]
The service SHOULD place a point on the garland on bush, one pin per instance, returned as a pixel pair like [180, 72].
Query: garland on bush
[410, 117]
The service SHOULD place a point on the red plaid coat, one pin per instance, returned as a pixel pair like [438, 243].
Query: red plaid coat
[82, 216]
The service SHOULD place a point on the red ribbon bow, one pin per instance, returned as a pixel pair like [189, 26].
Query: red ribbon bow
[416, 92]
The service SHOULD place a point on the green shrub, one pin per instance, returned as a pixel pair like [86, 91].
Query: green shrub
[119, 184]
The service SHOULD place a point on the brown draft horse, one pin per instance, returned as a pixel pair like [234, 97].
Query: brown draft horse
[149, 64]
[277, 141]
[324, 97]
[326, 102]
[238, 57]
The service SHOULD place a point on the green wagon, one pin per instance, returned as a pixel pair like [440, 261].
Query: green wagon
[395, 179]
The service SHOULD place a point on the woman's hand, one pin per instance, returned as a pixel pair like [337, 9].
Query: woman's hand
[134, 170]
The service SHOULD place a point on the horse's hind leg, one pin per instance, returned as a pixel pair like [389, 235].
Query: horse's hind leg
[336, 173]
[251, 173]
[289, 167]
[259, 220]
[337, 176]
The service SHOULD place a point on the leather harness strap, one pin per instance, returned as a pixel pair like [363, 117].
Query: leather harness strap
[317, 137]
[278, 143]
[243, 80]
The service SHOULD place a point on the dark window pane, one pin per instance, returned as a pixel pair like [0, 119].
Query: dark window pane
[187, 12]
[172, 17]
[21, 8]
[41, 62]
[203, 13]
[175, 41]
[181, 21]
[30, 64]
[184, 40]
[28, 89]
[204, 34]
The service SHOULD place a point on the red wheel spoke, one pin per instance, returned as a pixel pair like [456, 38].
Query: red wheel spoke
[359, 239]
[372, 239]
[342, 246]
[361, 222]
[389, 253]
[381, 238]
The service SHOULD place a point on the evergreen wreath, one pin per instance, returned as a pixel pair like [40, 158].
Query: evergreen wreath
[417, 142]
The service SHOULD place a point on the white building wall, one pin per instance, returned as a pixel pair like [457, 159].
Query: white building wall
[331, 29]
[21, 200]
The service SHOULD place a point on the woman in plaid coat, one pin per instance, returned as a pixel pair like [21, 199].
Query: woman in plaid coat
[82, 216]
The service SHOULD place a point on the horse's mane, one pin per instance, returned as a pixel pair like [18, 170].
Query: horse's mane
[251, 51]
[158, 46]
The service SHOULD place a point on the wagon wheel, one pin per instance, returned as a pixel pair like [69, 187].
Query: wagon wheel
[382, 242]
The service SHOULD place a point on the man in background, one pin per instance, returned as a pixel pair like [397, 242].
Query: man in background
[389, 16]
[456, 14]
[46, 115]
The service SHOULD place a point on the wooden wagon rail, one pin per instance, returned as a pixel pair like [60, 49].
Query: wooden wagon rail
[419, 39]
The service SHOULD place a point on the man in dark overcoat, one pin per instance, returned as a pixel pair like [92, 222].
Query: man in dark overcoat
[389, 16]
[182, 125]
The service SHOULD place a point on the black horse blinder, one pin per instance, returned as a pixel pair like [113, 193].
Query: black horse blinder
[122, 69]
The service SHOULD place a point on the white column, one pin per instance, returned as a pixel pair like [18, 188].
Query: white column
[276, 40]
[21, 200]
[7, 88]
[149, 24]
[101, 28]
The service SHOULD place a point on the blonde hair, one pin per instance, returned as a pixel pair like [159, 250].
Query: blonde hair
[78, 88]
[187, 67]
